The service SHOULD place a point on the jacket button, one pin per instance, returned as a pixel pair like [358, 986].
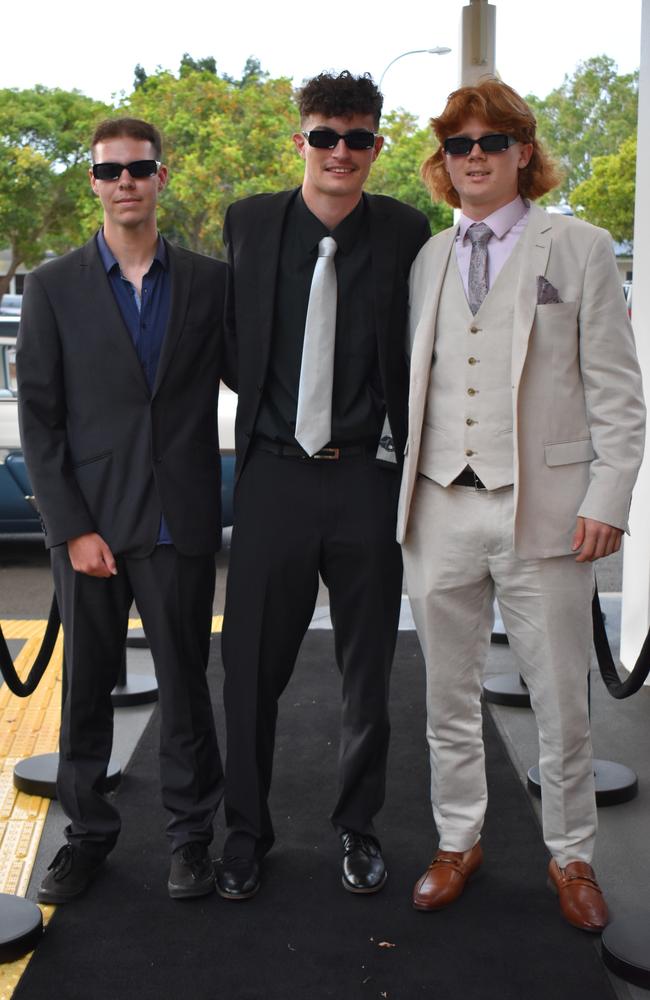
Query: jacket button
[470, 422]
[473, 329]
[472, 361]
[472, 392]
[469, 452]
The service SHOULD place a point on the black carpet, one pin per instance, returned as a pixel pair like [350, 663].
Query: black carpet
[303, 937]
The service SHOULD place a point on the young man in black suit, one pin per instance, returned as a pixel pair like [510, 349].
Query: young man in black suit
[118, 375]
[316, 502]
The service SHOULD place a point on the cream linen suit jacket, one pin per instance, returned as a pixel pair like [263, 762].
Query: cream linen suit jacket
[577, 400]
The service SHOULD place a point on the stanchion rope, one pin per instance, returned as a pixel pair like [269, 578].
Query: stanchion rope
[24, 688]
[616, 687]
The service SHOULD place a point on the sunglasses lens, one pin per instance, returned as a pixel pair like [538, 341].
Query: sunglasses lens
[359, 138]
[142, 168]
[324, 138]
[495, 143]
[107, 171]
[459, 145]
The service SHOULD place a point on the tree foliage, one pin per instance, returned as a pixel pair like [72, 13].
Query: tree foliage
[589, 115]
[397, 170]
[43, 171]
[606, 198]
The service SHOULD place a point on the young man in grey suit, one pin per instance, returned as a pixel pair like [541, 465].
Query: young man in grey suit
[118, 375]
[311, 496]
[526, 431]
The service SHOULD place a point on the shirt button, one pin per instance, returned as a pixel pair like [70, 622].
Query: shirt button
[470, 422]
[469, 452]
[472, 392]
[472, 361]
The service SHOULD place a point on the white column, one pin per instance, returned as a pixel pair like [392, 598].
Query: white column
[478, 42]
[636, 558]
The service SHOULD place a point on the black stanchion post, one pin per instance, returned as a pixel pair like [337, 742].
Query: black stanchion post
[21, 927]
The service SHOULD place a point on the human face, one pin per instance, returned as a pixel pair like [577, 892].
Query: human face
[486, 181]
[339, 172]
[128, 202]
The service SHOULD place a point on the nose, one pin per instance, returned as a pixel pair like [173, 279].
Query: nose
[125, 179]
[476, 150]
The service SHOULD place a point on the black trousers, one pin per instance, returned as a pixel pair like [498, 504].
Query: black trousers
[296, 518]
[173, 594]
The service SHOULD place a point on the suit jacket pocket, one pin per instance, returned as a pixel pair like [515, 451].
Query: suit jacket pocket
[568, 452]
[93, 458]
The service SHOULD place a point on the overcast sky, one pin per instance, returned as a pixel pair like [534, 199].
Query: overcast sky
[94, 47]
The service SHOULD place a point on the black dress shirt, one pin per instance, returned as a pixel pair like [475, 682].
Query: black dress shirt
[357, 400]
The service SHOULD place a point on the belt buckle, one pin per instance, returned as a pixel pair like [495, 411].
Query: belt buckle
[328, 454]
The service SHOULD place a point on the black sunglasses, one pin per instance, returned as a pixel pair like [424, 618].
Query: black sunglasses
[462, 145]
[113, 171]
[327, 138]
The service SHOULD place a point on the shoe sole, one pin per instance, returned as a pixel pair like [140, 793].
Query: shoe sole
[240, 895]
[51, 899]
[364, 892]
[190, 892]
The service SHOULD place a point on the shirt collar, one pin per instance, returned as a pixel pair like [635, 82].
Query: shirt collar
[109, 260]
[312, 230]
[500, 222]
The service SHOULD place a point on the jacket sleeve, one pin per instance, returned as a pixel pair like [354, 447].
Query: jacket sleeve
[229, 354]
[42, 413]
[612, 387]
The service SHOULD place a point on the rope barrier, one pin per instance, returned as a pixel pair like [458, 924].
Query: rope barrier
[616, 687]
[24, 688]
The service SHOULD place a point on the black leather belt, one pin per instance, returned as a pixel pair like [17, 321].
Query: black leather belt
[326, 454]
[469, 478]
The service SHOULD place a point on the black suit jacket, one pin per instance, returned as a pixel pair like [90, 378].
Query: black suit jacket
[252, 233]
[104, 453]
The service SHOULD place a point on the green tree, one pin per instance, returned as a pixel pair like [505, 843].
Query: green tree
[44, 137]
[397, 170]
[223, 141]
[606, 198]
[589, 115]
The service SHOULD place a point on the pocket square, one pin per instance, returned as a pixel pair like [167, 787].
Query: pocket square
[547, 294]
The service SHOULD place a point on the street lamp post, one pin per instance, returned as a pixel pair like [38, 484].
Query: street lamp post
[438, 50]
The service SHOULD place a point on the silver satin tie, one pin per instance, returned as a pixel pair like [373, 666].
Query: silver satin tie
[314, 412]
[477, 283]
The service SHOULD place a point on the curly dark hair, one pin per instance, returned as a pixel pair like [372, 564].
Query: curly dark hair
[498, 105]
[133, 128]
[340, 96]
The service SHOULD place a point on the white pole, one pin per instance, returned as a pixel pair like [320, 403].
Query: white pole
[478, 42]
[635, 620]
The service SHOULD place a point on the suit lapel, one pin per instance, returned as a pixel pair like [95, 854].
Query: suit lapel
[180, 273]
[263, 254]
[107, 317]
[536, 248]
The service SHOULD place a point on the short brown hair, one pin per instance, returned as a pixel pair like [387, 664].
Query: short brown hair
[496, 104]
[340, 96]
[134, 128]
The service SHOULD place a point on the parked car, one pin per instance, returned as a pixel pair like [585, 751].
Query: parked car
[17, 515]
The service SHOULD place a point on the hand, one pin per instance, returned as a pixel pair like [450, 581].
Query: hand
[595, 539]
[91, 555]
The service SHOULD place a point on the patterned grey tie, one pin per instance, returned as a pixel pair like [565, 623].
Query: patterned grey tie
[477, 282]
[314, 412]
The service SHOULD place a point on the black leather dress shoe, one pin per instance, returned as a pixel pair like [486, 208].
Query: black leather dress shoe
[69, 875]
[363, 865]
[237, 878]
[191, 872]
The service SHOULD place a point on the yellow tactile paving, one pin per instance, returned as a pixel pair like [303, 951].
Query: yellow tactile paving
[29, 726]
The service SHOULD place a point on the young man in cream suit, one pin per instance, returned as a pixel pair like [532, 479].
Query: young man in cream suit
[526, 431]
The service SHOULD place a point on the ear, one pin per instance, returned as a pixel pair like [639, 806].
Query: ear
[163, 176]
[300, 142]
[93, 182]
[379, 143]
[525, 154]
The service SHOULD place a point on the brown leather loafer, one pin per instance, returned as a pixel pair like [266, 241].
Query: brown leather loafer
[581, 898]
[445, 878]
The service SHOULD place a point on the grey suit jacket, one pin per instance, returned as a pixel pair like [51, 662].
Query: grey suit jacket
[577, 402]
[103, 452]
